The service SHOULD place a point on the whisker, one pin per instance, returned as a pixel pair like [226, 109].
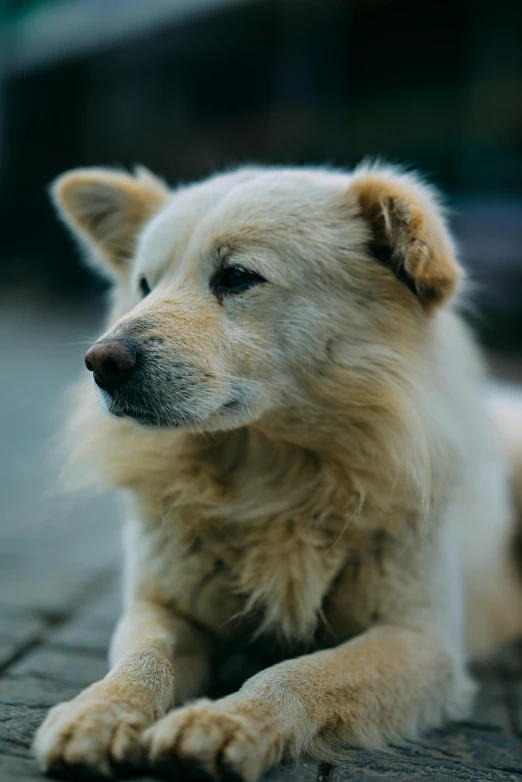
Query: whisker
[80, 342]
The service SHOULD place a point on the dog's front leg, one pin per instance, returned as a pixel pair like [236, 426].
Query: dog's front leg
[385, 685]
[155, 658]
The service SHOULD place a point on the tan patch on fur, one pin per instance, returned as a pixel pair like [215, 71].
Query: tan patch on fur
[418, 243]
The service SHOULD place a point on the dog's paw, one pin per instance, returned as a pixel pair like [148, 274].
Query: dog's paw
[90, 737]
[207, 741]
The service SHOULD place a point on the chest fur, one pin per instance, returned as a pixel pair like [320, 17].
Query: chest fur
[259, 548]
[273, 577]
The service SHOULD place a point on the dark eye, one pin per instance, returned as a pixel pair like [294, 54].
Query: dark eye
[144, 287]
[235, 279]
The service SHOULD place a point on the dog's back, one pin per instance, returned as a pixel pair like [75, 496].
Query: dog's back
[490, 538]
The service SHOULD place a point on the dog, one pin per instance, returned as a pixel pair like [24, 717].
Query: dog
[315, 479]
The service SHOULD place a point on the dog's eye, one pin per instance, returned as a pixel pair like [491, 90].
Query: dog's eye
[235, 279]
[144, 287]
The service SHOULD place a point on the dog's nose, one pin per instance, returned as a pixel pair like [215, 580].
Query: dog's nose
[112, 362]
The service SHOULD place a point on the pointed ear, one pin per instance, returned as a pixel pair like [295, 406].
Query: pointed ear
[408, 233]
[107, 209]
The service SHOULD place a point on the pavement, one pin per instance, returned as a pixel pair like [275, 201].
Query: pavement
[59, 581]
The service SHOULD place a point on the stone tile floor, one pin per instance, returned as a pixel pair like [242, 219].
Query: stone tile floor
[59, 585]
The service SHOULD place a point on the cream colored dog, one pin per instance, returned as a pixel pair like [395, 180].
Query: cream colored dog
[300, 421]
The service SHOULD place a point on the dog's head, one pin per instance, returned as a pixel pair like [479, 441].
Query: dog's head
[252, 294]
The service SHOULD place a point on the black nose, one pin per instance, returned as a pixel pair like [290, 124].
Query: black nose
[112, 361]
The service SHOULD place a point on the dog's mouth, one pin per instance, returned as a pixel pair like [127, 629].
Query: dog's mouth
[144, 416]
[169, 418]
[234, 404]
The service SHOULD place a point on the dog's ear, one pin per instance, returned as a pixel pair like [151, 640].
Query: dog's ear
[106, 210]
[408, 233]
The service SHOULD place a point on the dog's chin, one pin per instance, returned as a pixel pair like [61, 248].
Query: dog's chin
[152, 421]
[230, 415]
[156, 419]
[140, 415]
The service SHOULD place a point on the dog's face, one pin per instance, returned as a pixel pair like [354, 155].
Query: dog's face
[235, 295]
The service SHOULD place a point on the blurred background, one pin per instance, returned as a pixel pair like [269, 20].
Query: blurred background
[191, 86]
[188, 87]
